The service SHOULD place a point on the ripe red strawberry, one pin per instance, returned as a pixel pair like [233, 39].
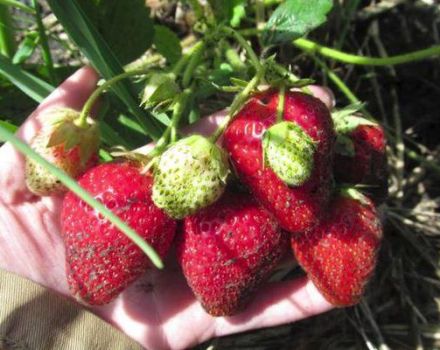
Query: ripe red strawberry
[62, 142]
[339, 255]
[227, 250]
[299, 207]
[365, 161]
[100, 260]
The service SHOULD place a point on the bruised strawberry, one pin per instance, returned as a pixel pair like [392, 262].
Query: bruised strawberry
[339, 255]
[100, 260]
[227, 250]
[62, 142]
[360, 158]
[297, 207]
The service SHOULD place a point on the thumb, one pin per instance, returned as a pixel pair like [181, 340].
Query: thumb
[72, 93]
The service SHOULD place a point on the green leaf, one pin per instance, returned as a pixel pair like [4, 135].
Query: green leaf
[131, 124]
[295, 18]
[126, 25]
[167, 43]
[26, 48]
[80, 29]
[32, 86]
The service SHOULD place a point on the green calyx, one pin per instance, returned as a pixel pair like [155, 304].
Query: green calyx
[63, 128]
[160, 89]
[190, 175]
[346, 120]
[289, 151]
[353, 193]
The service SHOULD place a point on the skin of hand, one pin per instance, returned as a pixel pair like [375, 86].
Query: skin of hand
[159, 311]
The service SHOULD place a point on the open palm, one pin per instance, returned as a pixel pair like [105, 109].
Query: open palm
[159, 310]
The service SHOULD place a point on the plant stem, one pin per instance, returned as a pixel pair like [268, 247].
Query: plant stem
[338, 82]
[171, 131]
[259, 14]
[72, 185]
[47, 57]
[280, 106]
[233, 58]
[7, 44]
[311, 47]
[194, 60]
[179, 108]
[82, 122]
[236, 104]
[250, 51]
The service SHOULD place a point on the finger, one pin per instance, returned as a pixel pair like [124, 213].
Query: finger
[72, 93]
[324, 94]
[276, 304]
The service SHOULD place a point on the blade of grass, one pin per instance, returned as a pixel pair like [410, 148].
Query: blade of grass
[47, 57]
[93, 46]
[8, 126]
[7, 45]
[32, 86]
[72, 185]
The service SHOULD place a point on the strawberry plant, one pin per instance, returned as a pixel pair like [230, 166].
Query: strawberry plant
[349, 186]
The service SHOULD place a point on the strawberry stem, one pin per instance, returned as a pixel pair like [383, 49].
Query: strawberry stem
[312, 47]
[72, 185]
[194, 61]
[280, 106]
[171, 130]
[82, 119]
[250, 51]
[237, 103]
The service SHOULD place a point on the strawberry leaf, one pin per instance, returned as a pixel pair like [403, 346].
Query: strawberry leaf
[126, 26]
[294, 19]
[167, 43]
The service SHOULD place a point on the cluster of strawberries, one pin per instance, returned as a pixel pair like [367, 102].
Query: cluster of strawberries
[295, 167]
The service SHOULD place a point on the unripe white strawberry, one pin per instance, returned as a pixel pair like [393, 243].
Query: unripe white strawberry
[190, 175]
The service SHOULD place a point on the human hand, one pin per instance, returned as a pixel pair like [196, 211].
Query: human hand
[159, 311]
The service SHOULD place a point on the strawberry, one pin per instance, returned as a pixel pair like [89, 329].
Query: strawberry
[61, 141]
[361, 159]
[339, 255]
[227, 250]
[191, 174]
[299, 206]
[100, 260]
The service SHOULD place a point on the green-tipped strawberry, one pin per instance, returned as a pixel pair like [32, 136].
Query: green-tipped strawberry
[288, 151]
[190, 175]
[65, 143]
